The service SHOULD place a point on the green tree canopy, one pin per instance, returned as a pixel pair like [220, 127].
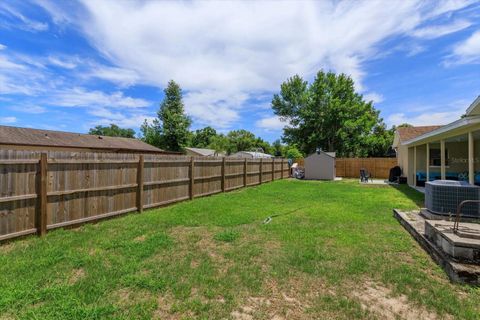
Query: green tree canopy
[202, 138]
[329, 114]
[170, 131]
[277, 148]
[219, 143]
[112, 131]
[243, 140]
[292, 152]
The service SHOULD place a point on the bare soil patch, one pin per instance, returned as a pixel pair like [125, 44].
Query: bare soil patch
[76, 275]
[288, 301]
[202, 239]
[140, 238]
[380, 301]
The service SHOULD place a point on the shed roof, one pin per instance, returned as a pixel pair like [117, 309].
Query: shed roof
[330, 154]
[48, 138]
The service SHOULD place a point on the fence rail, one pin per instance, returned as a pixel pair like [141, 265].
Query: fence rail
[44, 191]
[378, 167]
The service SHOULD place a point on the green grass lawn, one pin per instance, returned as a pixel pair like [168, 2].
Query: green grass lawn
[333, 251]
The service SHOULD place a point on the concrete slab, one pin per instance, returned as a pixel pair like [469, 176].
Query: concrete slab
[460, 247]
[461, 272]
[376, 181]
[467, 234]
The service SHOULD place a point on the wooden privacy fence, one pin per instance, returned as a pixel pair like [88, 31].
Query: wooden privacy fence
[44, 191]
[378, 167]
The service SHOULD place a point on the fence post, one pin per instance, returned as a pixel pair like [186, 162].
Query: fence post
[245, 173]
[281, 168]
[41, 218]
[223, 174]
[273, 169]
[192, 178]
[140, 183]
[261, 170]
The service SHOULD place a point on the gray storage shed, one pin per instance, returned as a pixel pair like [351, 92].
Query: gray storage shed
[320, 166]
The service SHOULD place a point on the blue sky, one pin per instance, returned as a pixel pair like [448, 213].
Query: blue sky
[71, 65]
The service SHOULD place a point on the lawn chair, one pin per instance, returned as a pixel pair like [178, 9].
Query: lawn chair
[365, 176]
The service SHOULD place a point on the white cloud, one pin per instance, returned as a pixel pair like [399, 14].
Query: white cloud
[8, 120]
[448, 6]
[436, 31]
[415, 49]
[423, 119]
[6, 63]
[19, 74]
[120, 76]
[271, 123]
[424, 115]
[373, 96]
[62, 62]
[42, 88]
[467, 51]
[81, 97]
[2, 46]
[59, 15]
[32, 109]
[20, 21]
[215, 108]
[130, 120]
[240, 48]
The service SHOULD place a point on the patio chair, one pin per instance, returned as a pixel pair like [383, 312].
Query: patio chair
[365, 176]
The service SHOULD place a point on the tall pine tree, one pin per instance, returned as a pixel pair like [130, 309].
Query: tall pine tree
[171, 130]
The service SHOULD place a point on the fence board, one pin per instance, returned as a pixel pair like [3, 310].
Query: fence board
[80, 187]
[378, 167]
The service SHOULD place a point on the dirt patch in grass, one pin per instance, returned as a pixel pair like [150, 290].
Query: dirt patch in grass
[126, 297]
[140, 238]
[164, 306]
[202, 239]
[380, 301]
[291, 300]
[77, 274]
[6, 248]
[6, 317]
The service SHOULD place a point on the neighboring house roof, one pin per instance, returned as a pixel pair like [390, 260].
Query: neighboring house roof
[59, 139]
[253, 154]
[204, 152]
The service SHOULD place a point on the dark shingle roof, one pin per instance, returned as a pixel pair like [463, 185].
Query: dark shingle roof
[48, 138]
[408, 133]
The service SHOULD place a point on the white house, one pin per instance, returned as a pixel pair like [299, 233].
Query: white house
[449, 152]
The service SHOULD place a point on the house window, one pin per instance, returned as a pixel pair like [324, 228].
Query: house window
[435, 160]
